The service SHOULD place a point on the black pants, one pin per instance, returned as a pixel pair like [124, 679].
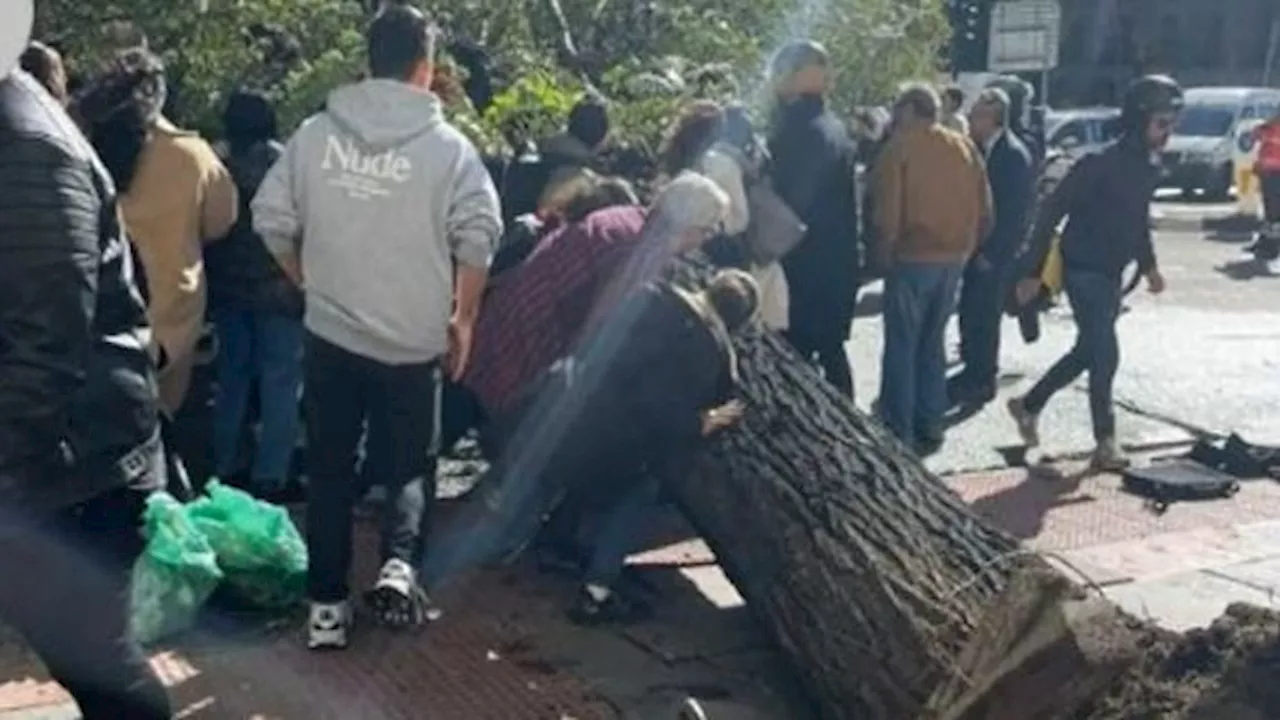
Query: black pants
[1271, 196]
[399, 403]
[1095, 307]
[828, 350]
[982, 297]
[66, 590]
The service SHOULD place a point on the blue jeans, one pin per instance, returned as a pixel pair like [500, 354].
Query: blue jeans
[266, 347]
[1095, 306]
[918, 300]
[621, 531]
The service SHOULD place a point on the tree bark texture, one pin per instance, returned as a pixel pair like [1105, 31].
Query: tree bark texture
[890, 596]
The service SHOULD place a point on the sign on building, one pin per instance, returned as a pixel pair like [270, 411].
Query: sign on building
[1024, 36]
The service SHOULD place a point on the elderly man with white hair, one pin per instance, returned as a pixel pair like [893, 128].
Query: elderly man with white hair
[989, 275]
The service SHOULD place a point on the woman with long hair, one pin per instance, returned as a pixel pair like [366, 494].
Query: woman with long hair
[175, 196]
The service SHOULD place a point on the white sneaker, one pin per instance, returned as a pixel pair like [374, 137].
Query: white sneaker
[1027, 421]
[327, 628]
[397, 600]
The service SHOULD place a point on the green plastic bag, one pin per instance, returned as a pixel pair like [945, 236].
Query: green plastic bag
[259, 549]
[174, 576]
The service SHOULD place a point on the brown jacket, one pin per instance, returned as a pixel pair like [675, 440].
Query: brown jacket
[932, 200]
[181, 198]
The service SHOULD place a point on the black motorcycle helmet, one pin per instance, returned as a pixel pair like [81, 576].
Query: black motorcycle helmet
[1147, 96]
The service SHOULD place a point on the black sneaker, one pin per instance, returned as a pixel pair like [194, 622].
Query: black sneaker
[615, 609]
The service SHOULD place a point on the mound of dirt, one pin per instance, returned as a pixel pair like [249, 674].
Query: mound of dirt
[1228, 671]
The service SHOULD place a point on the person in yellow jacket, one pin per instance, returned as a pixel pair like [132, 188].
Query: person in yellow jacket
[176, 196]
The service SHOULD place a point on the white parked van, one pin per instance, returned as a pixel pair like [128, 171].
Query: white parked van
[1199, 154]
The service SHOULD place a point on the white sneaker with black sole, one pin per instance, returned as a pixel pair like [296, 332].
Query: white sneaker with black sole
[328, 626]
[397, 601]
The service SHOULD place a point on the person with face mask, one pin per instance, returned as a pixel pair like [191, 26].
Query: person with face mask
[814, 166]
[1105, 199]
[80, 448]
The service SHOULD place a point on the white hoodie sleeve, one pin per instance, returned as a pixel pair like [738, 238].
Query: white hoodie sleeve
[277, 212]
[474, 224]
[724, 171]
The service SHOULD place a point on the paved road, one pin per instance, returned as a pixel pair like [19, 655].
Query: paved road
[1204, 357]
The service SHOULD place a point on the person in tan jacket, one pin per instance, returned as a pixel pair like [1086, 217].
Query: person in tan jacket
[932, 206]
[175, 197]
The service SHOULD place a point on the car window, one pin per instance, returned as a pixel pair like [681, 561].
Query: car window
[1110, 128]
[1205, 121]
[1250, 112]
[1074, 130]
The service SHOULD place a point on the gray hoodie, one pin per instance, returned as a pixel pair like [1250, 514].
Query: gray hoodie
[379, 196]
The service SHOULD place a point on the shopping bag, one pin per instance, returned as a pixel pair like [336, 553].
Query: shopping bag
[259, 549]
[175, 574]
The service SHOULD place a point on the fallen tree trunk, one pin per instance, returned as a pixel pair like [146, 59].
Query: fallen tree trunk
[889, 595]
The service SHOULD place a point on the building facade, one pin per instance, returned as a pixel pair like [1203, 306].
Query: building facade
[1106, 43]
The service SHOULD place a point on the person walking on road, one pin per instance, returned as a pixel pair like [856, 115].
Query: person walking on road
[933, 205]
[988, 275]
[1106, 199]
[80, 444]
[373, 204]
[814, 170]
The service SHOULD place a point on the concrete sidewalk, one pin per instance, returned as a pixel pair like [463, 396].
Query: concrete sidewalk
[1180, 569]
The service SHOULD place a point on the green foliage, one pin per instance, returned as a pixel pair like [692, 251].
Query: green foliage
[646, 56]
[534, 106]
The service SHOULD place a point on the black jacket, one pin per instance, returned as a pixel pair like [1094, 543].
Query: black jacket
[814, 170]
[1009, 170]
[242, 274]
[77, 391]
[1106, 198]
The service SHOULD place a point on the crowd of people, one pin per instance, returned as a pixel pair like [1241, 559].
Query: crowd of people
[374, 260]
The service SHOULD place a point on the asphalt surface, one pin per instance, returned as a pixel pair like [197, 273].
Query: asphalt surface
[1204, 358]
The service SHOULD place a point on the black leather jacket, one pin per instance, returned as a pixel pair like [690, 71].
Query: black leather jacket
[77, 393]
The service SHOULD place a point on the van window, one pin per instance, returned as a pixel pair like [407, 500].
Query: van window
[1205, 121]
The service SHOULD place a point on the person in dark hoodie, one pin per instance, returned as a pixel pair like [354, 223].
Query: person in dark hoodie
[79, 408]
[386, 216]
[257, 314]
[655, 376]
[814, 167]
[1106, 199]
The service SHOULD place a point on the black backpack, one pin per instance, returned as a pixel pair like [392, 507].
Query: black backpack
[1178, 480]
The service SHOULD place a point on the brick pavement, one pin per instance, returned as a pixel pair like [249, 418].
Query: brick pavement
[502, 652]
[478, 664]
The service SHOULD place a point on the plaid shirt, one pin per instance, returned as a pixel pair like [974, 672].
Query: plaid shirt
[534, 313]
